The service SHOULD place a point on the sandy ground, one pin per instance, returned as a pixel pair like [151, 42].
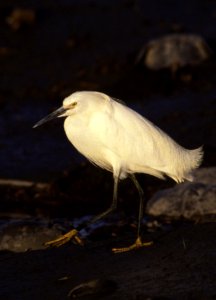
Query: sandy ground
[180, 265]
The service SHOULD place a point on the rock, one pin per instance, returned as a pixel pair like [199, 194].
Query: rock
[174, 51]
[30, 234]
[205, 175]
[187, 200]
[20, 17]
[94, 289]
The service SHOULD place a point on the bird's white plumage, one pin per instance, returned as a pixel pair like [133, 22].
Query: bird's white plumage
[118, 139]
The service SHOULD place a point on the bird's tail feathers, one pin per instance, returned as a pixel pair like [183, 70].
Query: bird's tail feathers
[195, 157]
[192, 160]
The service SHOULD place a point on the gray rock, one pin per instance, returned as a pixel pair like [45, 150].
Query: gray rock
[187, 200]
[30, 234]
[174, 51]
[205, 175]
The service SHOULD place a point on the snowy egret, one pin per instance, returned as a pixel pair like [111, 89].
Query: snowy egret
[118, 139]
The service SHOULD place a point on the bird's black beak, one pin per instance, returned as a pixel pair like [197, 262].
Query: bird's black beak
[57, 113]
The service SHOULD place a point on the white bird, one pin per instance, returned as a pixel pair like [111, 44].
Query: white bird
[118, 139]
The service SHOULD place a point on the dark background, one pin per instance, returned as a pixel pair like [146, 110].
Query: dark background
[92, 45]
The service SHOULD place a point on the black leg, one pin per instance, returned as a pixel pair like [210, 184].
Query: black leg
[113, 205]
[73, 234]
[138, 243]
[141, 203]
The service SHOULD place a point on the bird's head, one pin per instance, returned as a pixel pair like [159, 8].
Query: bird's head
[77, 102]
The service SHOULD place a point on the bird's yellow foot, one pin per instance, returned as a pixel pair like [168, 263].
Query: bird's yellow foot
[71, 235]
[138, 244]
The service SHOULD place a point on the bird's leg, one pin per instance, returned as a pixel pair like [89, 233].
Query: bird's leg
[73, 234]
[113, 205]
[138, 243]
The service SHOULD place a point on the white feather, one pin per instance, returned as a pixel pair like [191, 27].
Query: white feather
[118, 139]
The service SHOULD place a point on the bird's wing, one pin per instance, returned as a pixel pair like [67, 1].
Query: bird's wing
[125, 140]
[130, 137]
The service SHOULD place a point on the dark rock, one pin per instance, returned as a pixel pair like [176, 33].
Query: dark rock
[188, 200]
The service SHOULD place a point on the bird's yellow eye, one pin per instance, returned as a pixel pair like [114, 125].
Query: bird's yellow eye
[72, 105]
